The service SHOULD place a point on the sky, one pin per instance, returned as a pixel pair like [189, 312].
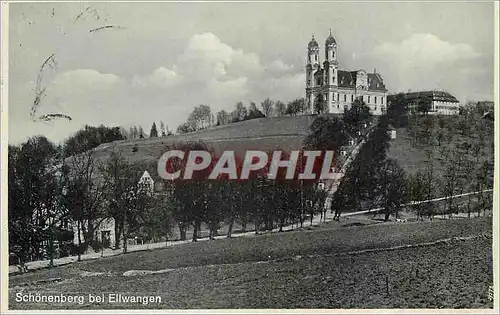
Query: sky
[162, 59]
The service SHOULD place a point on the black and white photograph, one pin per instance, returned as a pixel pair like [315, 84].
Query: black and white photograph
[250, 155]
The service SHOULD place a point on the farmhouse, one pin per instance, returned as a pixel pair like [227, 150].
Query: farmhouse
[337, 88]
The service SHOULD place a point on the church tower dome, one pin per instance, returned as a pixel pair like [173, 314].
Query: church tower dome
[330, 40]
[313, 43]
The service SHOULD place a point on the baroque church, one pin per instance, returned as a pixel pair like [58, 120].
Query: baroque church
[339, 88]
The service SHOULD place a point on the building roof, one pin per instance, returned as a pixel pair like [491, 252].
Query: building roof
[440, 96]
[347, 79]
[313, 43]
[330, 40]
[375, 82]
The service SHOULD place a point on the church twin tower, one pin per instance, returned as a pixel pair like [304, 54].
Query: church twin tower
[337, 89]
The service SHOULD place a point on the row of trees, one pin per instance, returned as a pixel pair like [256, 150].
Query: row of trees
[90, 137]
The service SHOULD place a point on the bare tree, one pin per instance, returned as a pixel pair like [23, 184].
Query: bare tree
[267, 107]
[85, 193]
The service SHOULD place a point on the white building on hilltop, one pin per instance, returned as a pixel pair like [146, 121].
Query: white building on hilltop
[339, 88]
[438, 102]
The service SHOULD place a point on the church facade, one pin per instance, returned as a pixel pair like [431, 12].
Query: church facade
[336, 88]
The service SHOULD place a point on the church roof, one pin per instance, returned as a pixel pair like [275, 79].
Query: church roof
[330, 40]
[375, 82]
[312, 43]
[347, 79]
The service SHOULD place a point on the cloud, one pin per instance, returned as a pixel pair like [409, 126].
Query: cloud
[425, 61]
[83, 80]
[278, 66]
[160, 78]
[426, 51]
[207, 71]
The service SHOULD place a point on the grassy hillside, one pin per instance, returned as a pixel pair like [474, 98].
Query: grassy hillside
[414, 144]
[259, 134]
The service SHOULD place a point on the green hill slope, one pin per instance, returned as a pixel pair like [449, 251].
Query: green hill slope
[263, 134]
[472, 137]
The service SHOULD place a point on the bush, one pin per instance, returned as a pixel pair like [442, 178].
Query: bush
[135, 148]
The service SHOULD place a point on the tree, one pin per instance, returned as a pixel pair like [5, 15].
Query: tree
[240, 112]
[159, 219]
[417, 191]
[223, 117]
[254, 112]
[33, 198]
[185, 128]
[397, 111]
[116, 176]
[357, 117]
[139, 200]
[267, 107]
[483, 180]
[454, 162]
[124, 133]
[90, 137]
[296, 107]
[279, 108]
[326, 133]
[320, 106]
[200, 117]
[153, 133]
[85, 197]
[192, 195]
[141, 133]
[162, 128]
[392, 188]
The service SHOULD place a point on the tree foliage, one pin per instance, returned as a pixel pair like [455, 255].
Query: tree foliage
[90, 137]
[154, 132]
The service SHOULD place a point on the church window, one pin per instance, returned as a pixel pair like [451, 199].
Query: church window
[316, 57]
[345, 97]
[368, 98]
[352, 98]
[375, 100]
[338, 97]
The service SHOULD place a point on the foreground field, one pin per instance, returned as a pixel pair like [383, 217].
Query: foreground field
[307, 269]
